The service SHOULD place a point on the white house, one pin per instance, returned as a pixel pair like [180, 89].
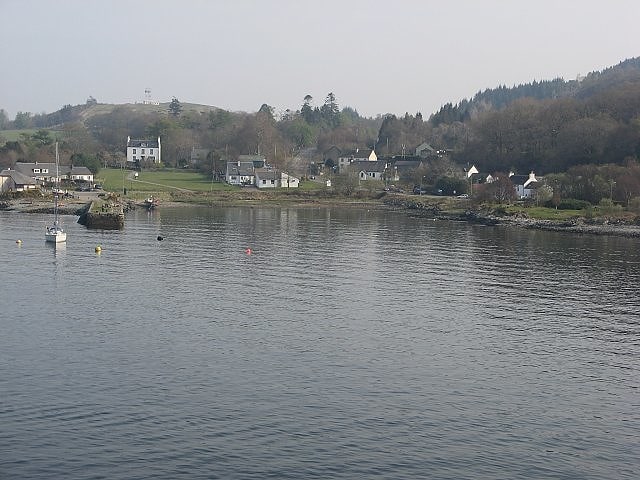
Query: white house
[265, 178]
[143, 151]
[46, 172]
[525, 185]
[370, 170]
[82, 174]
[289, 181]
[360, 155]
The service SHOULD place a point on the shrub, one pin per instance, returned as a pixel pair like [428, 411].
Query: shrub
[573, 204]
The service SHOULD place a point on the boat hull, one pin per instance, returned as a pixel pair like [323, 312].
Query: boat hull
[55, 236]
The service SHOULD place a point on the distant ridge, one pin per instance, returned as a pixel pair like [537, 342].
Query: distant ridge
[627, 71]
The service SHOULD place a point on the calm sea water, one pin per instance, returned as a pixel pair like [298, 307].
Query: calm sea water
[349, 344]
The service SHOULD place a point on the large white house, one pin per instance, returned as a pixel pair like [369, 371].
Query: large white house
[139, 151]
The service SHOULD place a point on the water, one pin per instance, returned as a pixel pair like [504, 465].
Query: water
[349, 344]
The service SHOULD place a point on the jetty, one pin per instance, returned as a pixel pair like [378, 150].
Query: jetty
[103, 214]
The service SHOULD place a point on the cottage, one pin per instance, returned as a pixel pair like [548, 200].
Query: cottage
[240, 173]
[525, 185]
[14, 181]
[140, 151]
[359, 155]
[266, 178]
[370, 170]
[43, 173]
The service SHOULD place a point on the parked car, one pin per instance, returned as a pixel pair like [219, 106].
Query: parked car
[464, 195]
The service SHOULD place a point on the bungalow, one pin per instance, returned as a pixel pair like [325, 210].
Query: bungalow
[359, 155]
[267, 178]
[139, 151]
[14, 181]
[370, 170]
[82, 174]
[43, 173]
[525, 185]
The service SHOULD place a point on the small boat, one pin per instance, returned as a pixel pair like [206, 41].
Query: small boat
[55, 233]
[151, 203]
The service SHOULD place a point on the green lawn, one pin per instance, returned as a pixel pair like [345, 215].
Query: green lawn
[114, 179]
[543, 213]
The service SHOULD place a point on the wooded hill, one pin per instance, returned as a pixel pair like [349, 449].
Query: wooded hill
[545, 126]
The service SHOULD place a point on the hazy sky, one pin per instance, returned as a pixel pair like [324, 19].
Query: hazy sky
[392, 56]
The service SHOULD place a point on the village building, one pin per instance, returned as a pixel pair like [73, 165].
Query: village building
[14, 181]
[359, 155]
[525, 185]
[143, 151]
[45, 173]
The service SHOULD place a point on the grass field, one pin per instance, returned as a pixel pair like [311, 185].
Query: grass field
[169, 180]
[113, 179]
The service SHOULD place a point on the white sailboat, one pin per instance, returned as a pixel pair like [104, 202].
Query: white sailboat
[55, 232]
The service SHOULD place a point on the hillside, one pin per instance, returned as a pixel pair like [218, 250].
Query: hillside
[624, 73]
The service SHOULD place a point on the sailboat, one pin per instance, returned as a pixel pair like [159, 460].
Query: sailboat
[55, 232]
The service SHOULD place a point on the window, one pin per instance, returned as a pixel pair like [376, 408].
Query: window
[151, 151]
[134, 151]
[45, 170]
[273, 182]
[264, 182]
[36, 170]
[142, 151]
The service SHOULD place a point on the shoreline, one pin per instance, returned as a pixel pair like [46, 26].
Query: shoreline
[407, 205]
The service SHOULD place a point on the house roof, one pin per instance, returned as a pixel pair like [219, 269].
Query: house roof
[80, 170]
[142, 143]
[264, 174]
[63, 170]
[17, 177]
[358, 153]
[364, 165]
[240, 168]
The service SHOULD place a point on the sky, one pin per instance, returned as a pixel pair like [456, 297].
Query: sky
[377, 57]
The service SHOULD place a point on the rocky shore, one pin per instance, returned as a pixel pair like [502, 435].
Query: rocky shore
[423, 208]
[580, 225]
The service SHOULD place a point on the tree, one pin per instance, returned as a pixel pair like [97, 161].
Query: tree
[501, 190]
[330, 112]
[22, 120]
[4, 119]
[42, 137]
[307, 111]
[175, 107]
